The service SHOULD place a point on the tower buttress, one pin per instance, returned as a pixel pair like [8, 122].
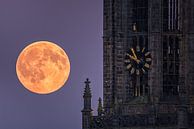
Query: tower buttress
[87, 110]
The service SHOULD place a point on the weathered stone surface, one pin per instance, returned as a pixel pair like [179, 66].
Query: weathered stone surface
[166, 98]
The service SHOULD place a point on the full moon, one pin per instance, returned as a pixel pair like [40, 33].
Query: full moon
[43, 67]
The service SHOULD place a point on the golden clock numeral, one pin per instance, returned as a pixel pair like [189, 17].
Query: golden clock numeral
[143, 50]
[147, 53]
[137, 72]
[127, 61]
[132, 70]
[148, 59]
[143, 70]
[147, 65]
[129, 66]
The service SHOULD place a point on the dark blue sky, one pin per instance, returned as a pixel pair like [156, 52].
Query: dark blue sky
[76, 25]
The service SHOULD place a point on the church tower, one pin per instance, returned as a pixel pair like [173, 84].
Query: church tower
[148, 65]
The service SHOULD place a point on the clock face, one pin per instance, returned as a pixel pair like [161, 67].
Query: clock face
[138, 60]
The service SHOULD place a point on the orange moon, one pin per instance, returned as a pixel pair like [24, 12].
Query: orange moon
[43, 67]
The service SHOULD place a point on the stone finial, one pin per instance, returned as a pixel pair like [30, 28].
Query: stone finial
[87, 91]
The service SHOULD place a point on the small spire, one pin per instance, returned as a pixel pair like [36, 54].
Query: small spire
[87, 91]
[100, 108]
[87, 96]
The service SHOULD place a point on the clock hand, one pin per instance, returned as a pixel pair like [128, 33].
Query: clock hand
[138, 61]
[132, 57]
[133, 53]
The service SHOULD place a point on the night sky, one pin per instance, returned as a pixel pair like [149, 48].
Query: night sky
[75, 25]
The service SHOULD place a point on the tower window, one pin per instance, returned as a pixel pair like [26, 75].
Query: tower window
[170, 65]
[140, 15]
[171, 13]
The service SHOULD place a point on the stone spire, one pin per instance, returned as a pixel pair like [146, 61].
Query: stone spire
[87, 110]
[87, 91]
[100, 108]
[87, 95]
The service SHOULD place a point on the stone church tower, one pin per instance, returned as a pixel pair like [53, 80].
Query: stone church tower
[148, 61]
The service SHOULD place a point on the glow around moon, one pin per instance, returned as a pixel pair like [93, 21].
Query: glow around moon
[43, 67]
